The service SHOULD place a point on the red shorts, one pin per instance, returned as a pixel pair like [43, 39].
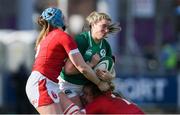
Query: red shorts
[41, 91]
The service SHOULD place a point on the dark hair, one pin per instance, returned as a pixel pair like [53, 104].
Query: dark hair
[96, 92]
[93, 88]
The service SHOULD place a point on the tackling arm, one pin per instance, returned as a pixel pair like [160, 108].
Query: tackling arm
[70, 69]
[87, 71]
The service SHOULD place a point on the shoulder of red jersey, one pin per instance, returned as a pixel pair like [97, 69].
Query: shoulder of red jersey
[62, 33]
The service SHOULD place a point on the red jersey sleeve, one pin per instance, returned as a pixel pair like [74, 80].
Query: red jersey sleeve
[68, 43]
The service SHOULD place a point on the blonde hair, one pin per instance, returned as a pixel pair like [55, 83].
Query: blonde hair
[45, 30]
[96, 16]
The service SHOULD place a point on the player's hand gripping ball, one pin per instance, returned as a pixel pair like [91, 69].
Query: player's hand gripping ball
[106, 63]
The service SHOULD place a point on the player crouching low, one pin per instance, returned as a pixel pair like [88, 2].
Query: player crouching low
[98, 102]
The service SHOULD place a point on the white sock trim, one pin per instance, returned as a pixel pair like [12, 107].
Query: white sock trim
[72, 109]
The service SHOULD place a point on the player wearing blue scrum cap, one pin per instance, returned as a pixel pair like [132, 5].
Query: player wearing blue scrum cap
[93, 47]
[53, 16]
[53, 47]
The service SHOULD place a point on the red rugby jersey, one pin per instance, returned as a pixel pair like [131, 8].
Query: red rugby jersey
[52, 52]
[106, 104]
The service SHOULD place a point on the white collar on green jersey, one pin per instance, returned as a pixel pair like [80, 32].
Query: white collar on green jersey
[90, 37]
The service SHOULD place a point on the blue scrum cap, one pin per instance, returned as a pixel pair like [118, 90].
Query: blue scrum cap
[53, 16]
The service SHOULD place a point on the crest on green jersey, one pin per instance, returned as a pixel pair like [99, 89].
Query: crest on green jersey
[102, 52]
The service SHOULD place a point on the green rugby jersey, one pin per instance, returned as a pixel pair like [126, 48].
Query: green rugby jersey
[87, 48]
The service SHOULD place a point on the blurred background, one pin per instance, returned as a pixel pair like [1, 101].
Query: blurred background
[147, 50]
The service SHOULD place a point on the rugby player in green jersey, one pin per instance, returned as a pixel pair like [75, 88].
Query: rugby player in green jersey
[93, 47]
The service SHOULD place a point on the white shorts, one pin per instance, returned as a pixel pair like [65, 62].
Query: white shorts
[69, 89]
[41, 91]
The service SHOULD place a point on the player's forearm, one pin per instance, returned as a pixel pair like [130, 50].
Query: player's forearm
[70, 69]
[90, 74]
[86, 70]
[90, 64]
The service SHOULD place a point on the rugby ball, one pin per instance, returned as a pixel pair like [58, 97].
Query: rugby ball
[106, 63]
